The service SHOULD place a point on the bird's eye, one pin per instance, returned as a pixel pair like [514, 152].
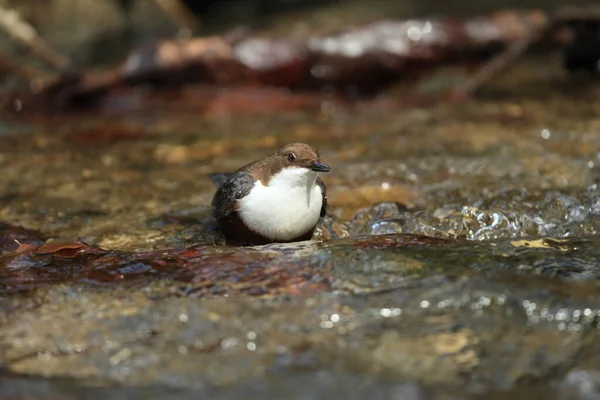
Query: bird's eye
[291, 157]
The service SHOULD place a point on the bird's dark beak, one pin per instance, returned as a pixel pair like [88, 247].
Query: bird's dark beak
[318, 166]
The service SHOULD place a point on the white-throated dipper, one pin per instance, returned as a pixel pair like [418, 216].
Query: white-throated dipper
[277, 199]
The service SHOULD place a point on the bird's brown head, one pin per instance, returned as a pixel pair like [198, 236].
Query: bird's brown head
[301, 155]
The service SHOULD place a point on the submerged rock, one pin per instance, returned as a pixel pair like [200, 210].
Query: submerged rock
[398, 306]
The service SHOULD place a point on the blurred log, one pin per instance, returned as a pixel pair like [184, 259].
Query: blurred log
[28, 37]
[357, 62]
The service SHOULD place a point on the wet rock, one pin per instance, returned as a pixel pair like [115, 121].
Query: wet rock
[511, 216]
[438, 312]
[382, 218]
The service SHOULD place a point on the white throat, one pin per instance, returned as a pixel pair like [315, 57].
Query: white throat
[288, 207]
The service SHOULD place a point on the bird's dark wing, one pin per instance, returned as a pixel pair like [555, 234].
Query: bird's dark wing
[234, 188]
[219, 178]
[324, 194]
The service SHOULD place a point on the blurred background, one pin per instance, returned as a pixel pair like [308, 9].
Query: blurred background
[92, 31]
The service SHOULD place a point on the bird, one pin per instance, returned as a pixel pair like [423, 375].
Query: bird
[278, 199]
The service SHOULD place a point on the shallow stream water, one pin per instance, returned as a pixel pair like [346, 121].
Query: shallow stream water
[460, 258]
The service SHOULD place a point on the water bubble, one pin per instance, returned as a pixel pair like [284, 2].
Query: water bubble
[562, 326]
[390, 312]
[230, 343]
[561, 315]
[577, 214]
[545, 134]
[326, 324]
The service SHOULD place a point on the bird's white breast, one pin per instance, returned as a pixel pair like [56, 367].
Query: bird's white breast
[288, 207]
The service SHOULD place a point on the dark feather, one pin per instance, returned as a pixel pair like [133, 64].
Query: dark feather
[219, 178]
[324, 194]
[237, 186]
